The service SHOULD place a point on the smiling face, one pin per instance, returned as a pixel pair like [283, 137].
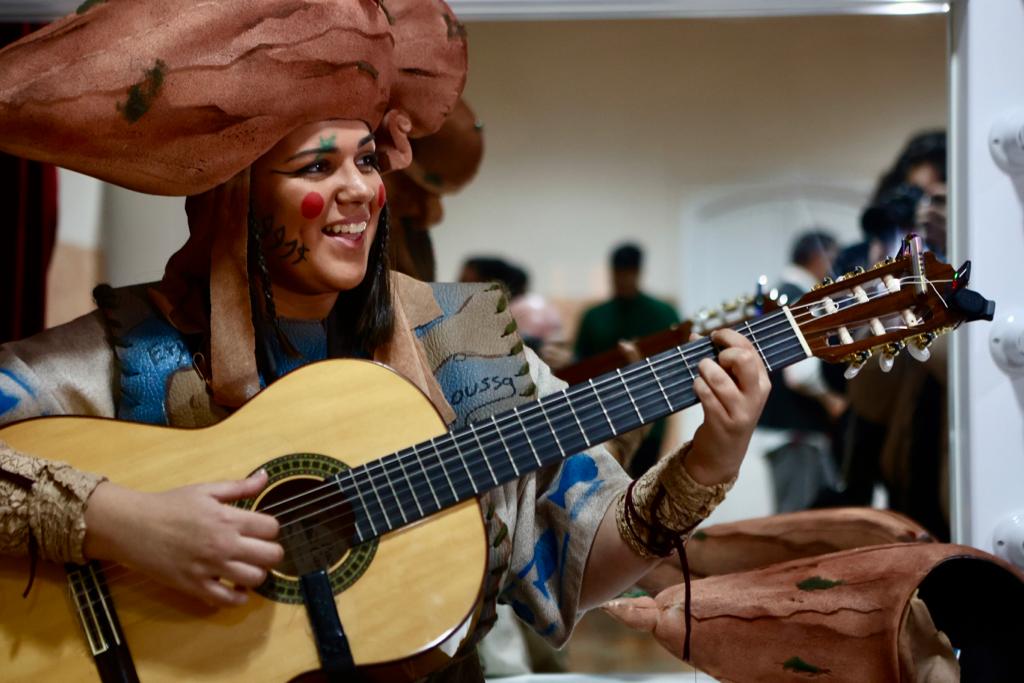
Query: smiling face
[317, 196]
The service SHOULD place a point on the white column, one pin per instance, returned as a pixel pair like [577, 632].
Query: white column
[987, 406]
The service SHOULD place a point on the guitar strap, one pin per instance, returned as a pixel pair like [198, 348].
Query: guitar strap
[336, 661]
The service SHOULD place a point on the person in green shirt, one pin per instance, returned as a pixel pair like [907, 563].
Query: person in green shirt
[629, 314]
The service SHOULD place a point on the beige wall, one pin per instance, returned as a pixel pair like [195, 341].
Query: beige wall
[597, 131]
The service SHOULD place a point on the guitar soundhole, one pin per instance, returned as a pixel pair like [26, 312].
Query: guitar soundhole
[315, 524]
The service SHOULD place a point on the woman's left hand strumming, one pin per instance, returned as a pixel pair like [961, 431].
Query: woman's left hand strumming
[733, 392]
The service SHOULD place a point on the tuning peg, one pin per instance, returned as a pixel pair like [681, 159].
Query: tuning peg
[857, 362]
[852, 370]
[888, 357]
[824, 283]
[886, 360]
[918, 347]
[919, 353]
[853, 273]
[884, 262]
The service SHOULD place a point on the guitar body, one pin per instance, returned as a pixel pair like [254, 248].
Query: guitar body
[399, 597]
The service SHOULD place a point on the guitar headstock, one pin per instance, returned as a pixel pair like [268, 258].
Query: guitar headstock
[902, 302]
[741, 308]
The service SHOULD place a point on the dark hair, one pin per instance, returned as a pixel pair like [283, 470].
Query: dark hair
[810, 244]
[894, 211]
[369, 304]
[627, 257]
[516, 280]
[489, 268]
[928, 147]
[494, 269]
[362, 318]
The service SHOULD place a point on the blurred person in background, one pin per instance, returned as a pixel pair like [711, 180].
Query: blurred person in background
[897, 429]
[629, 314]
[802, 408]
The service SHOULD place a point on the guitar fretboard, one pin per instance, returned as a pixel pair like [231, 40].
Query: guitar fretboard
[413, 483]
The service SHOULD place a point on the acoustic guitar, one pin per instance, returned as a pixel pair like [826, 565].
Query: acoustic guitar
[379, 501]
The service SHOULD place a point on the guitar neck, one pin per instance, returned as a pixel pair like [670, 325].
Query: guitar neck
[418, 481]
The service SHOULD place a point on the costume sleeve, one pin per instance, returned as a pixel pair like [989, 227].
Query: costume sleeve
[42, 501]
[66, 370]
[556, 515]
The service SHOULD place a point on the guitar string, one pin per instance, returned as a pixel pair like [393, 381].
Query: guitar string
[401, 500]
[625, 409]
[431, 479]
[782, 322]
[531, 413]
[638, 367]
[381, 467]
[616, 413]
[115, 578]
[614, 379]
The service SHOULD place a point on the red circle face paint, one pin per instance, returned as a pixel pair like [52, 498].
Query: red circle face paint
[382, 196]
[312, 205]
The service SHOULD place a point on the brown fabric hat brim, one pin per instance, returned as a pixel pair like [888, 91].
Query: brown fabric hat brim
[175, 97]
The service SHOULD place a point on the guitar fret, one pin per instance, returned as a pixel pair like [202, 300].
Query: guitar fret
[415, 498]
[629, 395]
[426, 476]
[561, 448]
[601, 406]
[341, 489]
[526, 433]
[394, 493]
[362, 502]
[380, 501]
[657, 380]
[444, 469]
[465, 466]
[682, 355]
[572, 410]
[487, 460]
[501, 436]
[757, 346]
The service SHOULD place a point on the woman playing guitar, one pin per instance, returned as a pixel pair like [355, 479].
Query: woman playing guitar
[276, 120]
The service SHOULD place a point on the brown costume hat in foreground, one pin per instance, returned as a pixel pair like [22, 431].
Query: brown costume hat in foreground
[179, 97]
[881, 613]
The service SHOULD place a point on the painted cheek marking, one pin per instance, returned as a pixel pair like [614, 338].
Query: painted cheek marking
[312, 205]
[382, 196]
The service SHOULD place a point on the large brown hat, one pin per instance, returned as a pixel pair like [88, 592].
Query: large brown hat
[178, 97]
[175, 97]
[444, 162]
